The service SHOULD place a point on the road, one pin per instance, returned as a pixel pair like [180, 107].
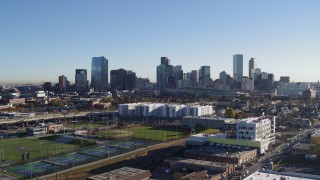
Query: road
[51, 116]
[278, 152]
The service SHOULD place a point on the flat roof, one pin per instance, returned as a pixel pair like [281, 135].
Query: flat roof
[254, 119]
[220, 150]
[273, 175]
[124, 173]
[303, 146]
[196, 162]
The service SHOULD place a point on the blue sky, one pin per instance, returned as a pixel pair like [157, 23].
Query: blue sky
[40, 40]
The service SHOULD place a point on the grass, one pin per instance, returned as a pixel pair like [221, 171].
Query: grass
[78, 142]
[87, 125]
[211, 131]
[146, 132]
[13, 148]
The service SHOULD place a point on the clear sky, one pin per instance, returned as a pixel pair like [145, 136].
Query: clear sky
[40, 40]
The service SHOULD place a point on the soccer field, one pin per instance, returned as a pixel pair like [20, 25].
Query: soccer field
[13, 148]
[145, 132]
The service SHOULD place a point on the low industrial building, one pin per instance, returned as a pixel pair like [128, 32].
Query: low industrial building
[274, 175]
[301, 149]
[36, 130]
[179, 163]
[125, 173]
[223, 153]
[315, 138]
[201, 175]
[210, 122]
[197, 140]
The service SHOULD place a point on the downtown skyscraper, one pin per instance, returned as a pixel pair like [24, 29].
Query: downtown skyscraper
[99, 73]
[81, 81]
[204, 76]
[252, 67]
[238, 67]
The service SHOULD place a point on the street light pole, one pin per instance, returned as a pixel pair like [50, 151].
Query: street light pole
[2, 148]
[41, 148]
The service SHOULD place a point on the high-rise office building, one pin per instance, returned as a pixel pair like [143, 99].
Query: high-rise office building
[118, 79]
[63, 84]
[238, 67]
[131, 80]
[165, 61]
[122, 79]
[194, 78]
[81, 80]
[223, 77]
[161, 77]
[99, 73]
[178, 75]
[252, 67]
[165, 75]
[47, 86]
[204, 76]
[284, 79]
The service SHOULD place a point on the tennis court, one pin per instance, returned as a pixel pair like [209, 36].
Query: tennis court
[102, 151]
[71, 160]
[34, 169]
[129, 144]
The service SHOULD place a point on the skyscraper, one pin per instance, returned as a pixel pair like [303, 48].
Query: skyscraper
[165, 60]
[165, 74]
[131, 80]
[223, 77]
[118, 79]
[238, 67]
[194, 78]
[161, 77]
[204, 76]
[122, 79]
[81, 81]
[252, 67]
[63, 83]
[99, 73]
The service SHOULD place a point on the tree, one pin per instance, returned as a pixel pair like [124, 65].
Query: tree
[57, 103]
[230, 113]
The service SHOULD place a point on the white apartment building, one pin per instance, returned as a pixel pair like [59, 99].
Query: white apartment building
[294, 89]
[163, 110]
[175, 110]
[128, 109]
[197, 110]
[260, 129]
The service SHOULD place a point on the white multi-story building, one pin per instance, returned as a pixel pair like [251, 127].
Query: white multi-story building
[251, 132]
[175, 110]
[260, 129]
[292, 88]
[128, 109]
[197, 110]
[163, 110]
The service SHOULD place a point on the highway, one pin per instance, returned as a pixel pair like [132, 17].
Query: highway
[53, 116]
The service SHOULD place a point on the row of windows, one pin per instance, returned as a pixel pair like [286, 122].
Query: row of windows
[244, 137]
[246, 128]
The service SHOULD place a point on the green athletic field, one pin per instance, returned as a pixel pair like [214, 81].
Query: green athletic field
[13, 148]
[145, 132]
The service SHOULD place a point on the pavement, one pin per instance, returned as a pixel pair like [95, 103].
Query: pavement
[278, 152]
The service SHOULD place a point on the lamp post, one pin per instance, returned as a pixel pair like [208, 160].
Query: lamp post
[40, 144]
[30, 167]
[2, 152]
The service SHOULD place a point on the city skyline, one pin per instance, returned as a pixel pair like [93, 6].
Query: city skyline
[39, 44]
